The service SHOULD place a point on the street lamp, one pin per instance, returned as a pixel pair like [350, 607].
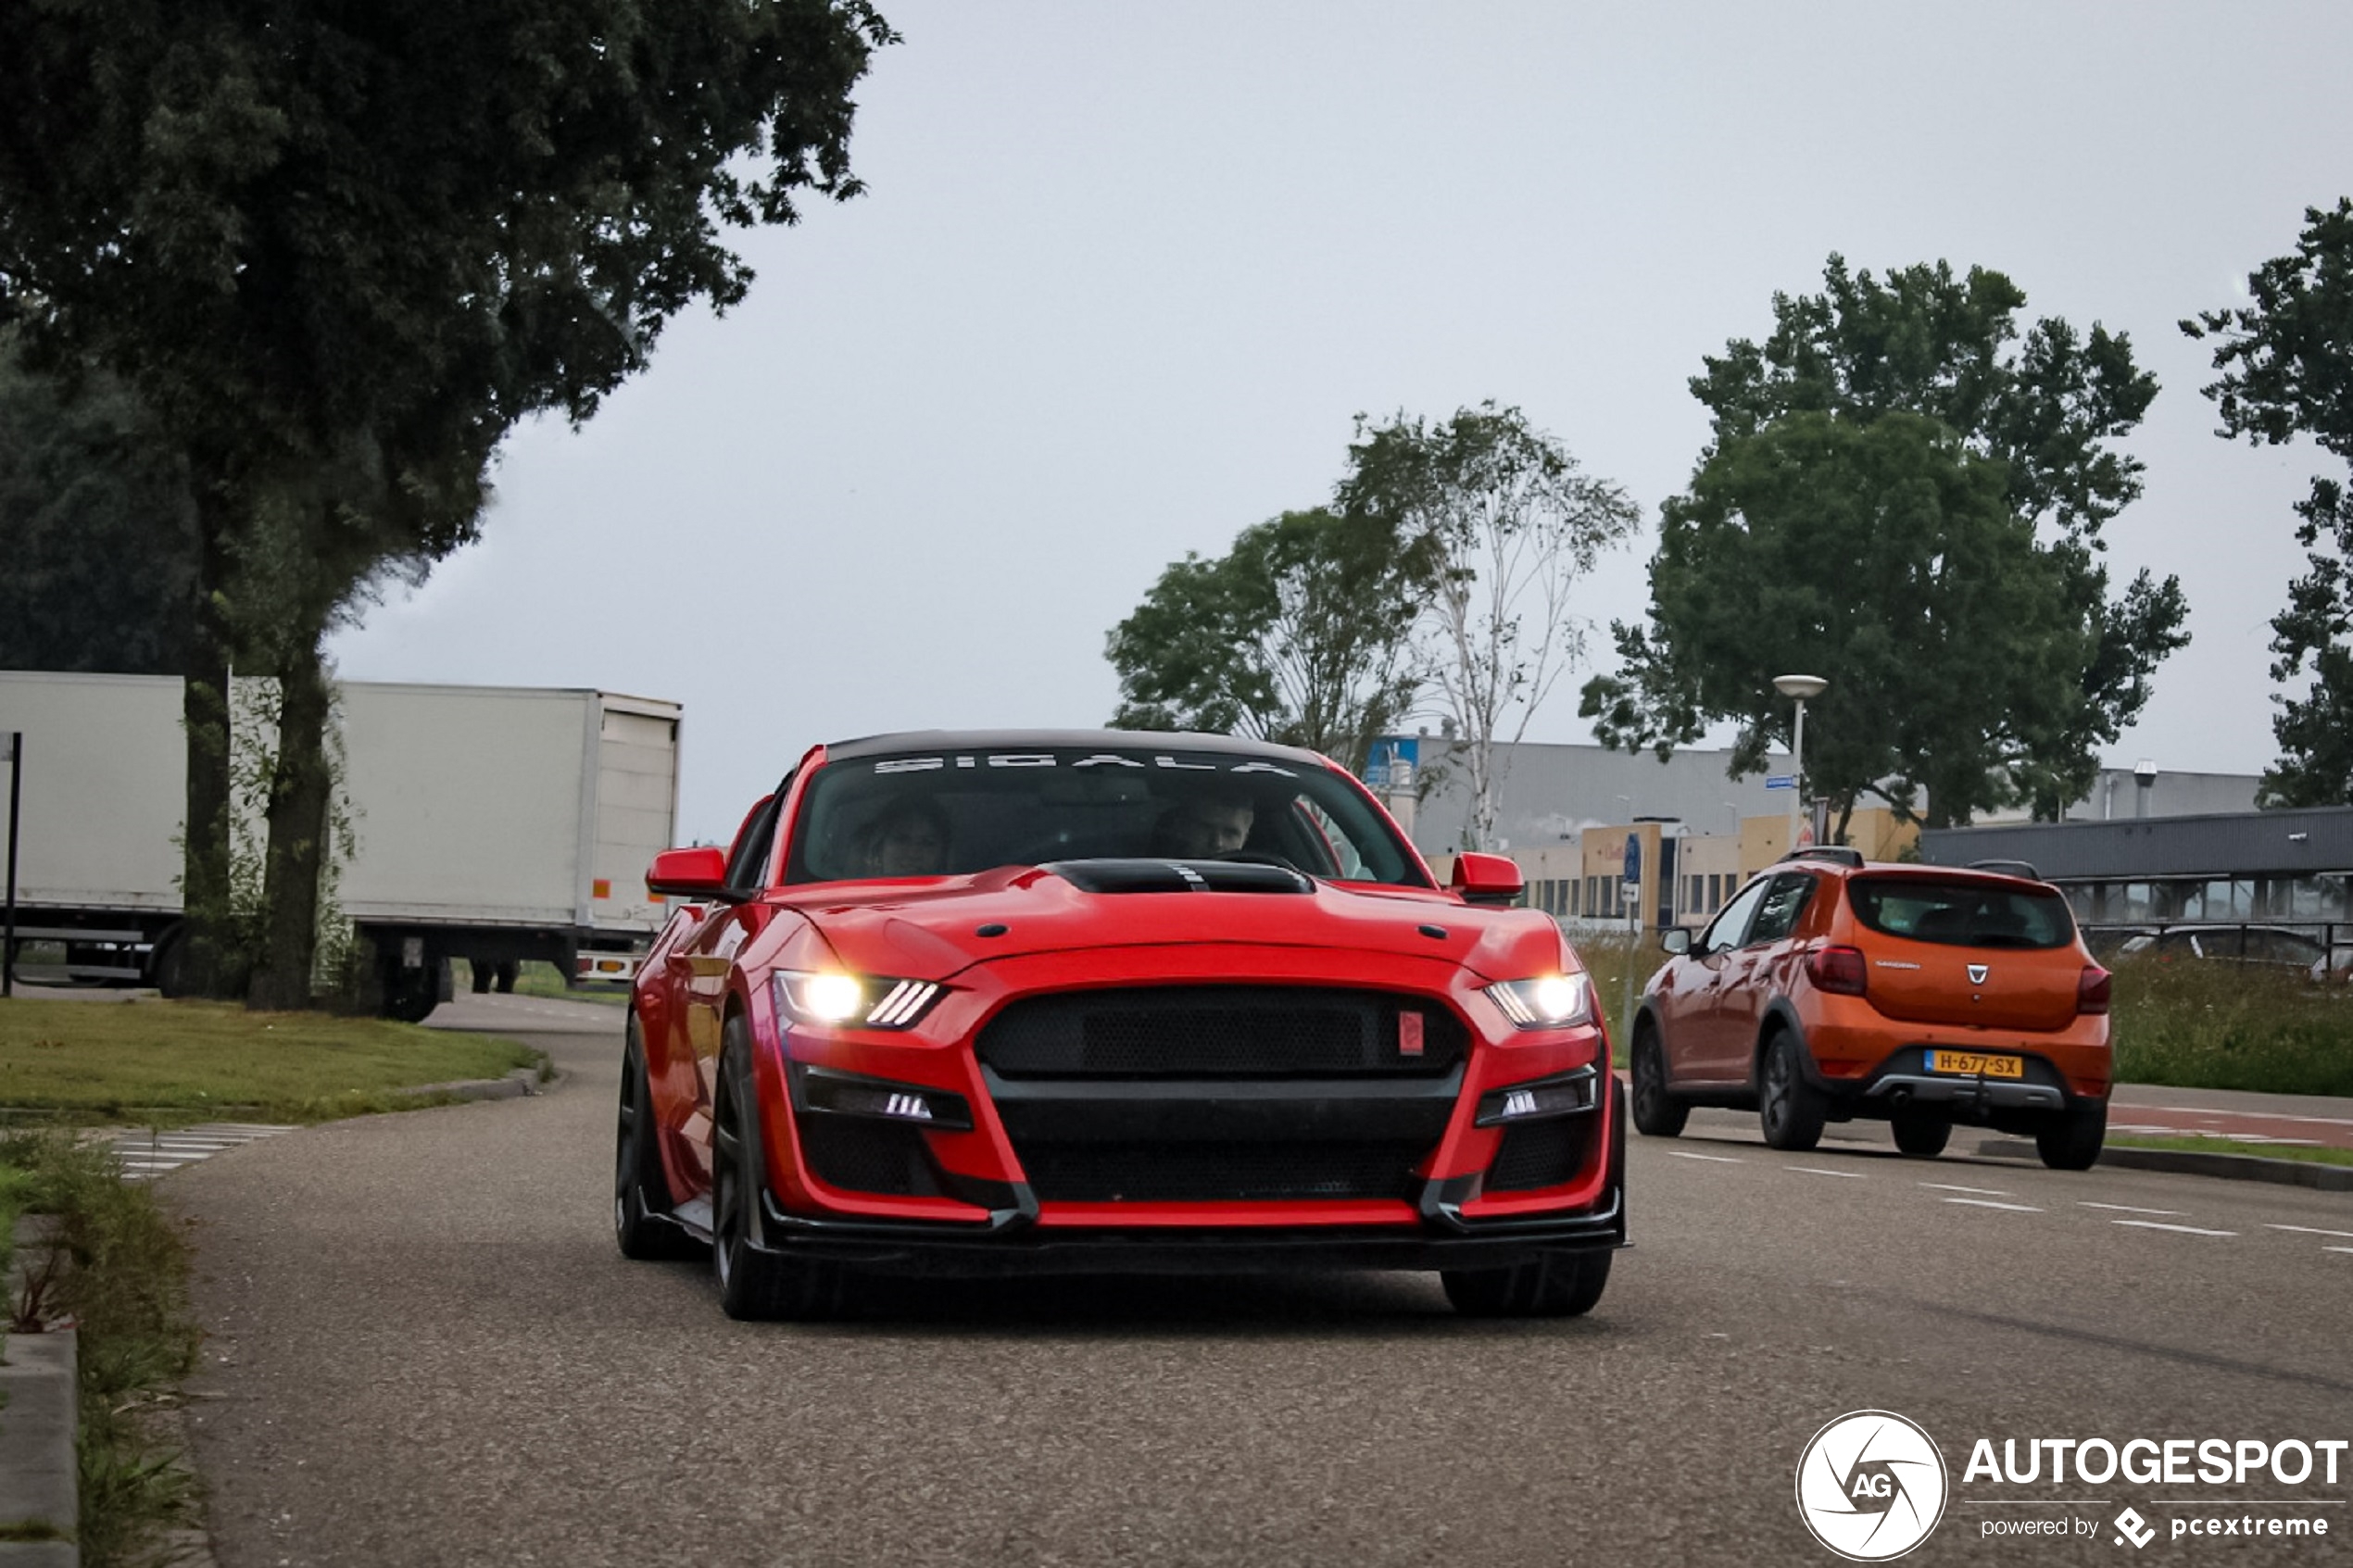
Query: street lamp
[1799, 688]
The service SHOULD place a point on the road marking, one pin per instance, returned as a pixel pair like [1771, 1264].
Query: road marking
[1988, 1203]
[1818, 1171]
[1716, 1158]
[2160, 1225]
[1981, 1192]
[2337, 1248]
[2125, 1208]
[145, 1156]
[2304, 1229]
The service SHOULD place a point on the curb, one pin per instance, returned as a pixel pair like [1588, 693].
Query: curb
[2195, 1163]
[37, 1429]
[522, 1083]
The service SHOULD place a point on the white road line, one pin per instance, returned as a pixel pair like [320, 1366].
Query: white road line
[1716, 1159]
[1981, 1192]
[2304, 1229]
[1988, 1203]
[2337, 1248]
[1818, 1171]
[2125, 1208]
[2160, 1225]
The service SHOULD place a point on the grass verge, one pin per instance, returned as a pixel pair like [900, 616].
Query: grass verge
[2232, 1026]
[163, 1063]
[2307, 1153]
[538, 979]
[117, 1266]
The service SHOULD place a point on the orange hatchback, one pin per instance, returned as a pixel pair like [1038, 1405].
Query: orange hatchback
[1924, 995]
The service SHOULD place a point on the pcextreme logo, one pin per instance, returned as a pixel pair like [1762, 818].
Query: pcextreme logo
[1871, 1486]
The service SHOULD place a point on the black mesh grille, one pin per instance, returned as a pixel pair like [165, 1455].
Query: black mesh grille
[1220, 1032]
[859, 1156]
[1540, 1154]
[1212, 1173]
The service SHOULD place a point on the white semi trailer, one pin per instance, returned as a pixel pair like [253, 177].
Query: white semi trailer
[493, 824]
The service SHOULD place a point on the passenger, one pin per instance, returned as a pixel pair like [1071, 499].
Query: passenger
[1203, 827]
[907, 839]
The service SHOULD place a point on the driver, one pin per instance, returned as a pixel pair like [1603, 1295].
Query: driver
[909, 839]
[1203, 827]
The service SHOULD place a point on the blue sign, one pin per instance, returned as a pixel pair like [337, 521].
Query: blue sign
[1780, 780]
[1634, 857]
[1391, 762]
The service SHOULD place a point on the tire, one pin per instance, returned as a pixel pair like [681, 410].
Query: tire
[1791, 1109]
[641, 1224]
[1559, 1285]
[754, 1285]
[1657, 1114]
[411, 995]
[1921, 1134]
[2071, 1140]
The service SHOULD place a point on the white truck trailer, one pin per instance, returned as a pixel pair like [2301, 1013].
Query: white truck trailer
[493, 824]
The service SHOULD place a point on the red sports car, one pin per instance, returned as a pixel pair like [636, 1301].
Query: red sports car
[963, 1003]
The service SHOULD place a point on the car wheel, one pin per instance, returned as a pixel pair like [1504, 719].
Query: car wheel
[1791, 1109]
[1921, 1134]
[643, 1230]
[2071, 1140]
[754, 1285]
[1558, 1284]
[1657, 1114]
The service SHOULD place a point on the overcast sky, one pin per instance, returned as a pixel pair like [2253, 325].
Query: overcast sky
[1124, 275]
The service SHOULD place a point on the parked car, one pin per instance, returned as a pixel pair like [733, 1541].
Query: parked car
[1096, 1001]
[2230, 944]
[1829, 989]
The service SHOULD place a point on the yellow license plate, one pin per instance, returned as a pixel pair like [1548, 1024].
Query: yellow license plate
[1971, 1064]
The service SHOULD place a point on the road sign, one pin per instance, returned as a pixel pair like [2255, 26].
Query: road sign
[1633, 858]
[1780, 780]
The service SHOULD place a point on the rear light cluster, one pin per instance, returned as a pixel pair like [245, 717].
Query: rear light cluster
[2091, 990]
[1837, 971]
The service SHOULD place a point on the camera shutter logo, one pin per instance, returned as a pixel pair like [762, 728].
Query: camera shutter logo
[1871, 1486]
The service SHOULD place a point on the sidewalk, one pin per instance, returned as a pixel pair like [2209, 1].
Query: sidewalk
[2158, 1110]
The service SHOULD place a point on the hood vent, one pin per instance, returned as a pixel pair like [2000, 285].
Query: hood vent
[1179, 876]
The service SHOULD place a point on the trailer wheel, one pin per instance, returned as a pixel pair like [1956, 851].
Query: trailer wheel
[168, 962]
[411, 995]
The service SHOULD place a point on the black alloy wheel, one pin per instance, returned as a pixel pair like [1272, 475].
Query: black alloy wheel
[2071, 1140]
[755, 1284]
[642, 1229]
[1920, 1133]
[1558, 1284]
[1791, 1109]
[1657, 1114]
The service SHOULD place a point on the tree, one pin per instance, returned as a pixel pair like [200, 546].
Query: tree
[339, 252]
[2045, 410]
[1884, 551]
[1511, 524]
[2287, 364]
[1299, 634]
[97, 528]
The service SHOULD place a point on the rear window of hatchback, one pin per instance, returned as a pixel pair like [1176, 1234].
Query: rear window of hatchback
[1961, 913]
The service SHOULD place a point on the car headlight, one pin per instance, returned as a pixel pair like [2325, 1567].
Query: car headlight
[1547, 1001]
[832, 996]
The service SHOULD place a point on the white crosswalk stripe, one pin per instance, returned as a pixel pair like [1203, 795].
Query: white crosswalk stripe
[145, 1156]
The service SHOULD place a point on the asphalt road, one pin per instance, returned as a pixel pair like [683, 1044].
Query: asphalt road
[425, 1351]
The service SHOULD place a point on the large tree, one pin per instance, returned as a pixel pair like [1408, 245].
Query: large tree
[2044, 407]
[1299, 634]
[2287, 364]
[1513, 523]
[340, 251]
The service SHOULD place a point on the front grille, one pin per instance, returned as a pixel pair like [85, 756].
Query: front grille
[1221, 1032]
[1220, 1172]
[862, 1155]
[1540, 1154]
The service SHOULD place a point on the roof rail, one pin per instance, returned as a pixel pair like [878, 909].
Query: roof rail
[2008, 868]
[1836, 854]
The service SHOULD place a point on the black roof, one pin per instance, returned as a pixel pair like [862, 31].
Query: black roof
[1062, 740]
[2307, 842]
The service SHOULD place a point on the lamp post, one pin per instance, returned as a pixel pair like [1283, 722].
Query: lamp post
[1798, 689]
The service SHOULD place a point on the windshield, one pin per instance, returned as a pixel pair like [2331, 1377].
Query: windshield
[1961, 913]
[945, 813]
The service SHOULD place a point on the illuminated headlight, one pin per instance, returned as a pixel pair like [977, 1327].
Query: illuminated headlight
[830, 997]
[1549, 1001]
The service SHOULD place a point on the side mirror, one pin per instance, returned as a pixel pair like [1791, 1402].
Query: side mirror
[1485, 879]
[699, 873]
[1676, 939]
